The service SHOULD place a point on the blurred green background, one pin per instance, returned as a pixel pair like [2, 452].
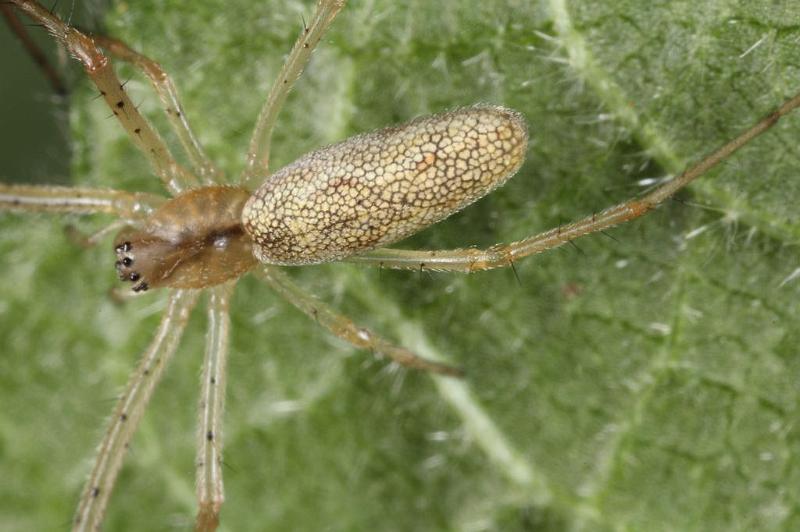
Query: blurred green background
[34, 143]
[644, 382]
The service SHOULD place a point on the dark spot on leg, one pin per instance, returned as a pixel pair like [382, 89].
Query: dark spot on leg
[210, 436]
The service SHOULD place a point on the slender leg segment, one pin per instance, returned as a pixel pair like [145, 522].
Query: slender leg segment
[99, 69]
[210, 492]
[168, 94]
[501, 255]
[257, 164]
[87, 241]
[129, 410]
[343, 327]
[33, 198]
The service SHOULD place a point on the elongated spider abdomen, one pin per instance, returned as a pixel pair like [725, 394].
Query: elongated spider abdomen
[194, 240]
[379, 187]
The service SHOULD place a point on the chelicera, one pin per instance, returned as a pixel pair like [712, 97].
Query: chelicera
[342, 202]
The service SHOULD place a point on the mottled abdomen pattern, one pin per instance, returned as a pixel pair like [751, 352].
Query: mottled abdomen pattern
[379, 187]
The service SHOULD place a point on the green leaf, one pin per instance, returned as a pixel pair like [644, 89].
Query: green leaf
[646, 381]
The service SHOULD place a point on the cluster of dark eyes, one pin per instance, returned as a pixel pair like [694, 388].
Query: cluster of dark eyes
[123, 264]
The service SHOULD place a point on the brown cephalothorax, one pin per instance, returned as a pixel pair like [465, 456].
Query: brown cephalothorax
[192, 241]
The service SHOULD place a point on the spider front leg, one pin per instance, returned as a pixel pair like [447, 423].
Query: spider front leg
[56, 199]
[257, 164]
[343, 327]
[168, 94]
[210, 492]
[81, 239]
[99, 69]
[128, 207]
[129, 410]
[502, 255]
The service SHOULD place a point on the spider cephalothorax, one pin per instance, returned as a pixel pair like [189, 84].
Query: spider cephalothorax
[192, 241]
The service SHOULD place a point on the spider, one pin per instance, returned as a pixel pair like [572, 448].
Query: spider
[220, 297]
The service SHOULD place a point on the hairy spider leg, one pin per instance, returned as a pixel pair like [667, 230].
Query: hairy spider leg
[502, 255]
[60, 199]
[129, 409]
[129, 208]
[343, 327]
[83, 240]
[97, 66]
[257, 163]
[210, 490]
[168, 94]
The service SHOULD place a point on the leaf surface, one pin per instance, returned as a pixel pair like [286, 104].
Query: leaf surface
[646, 381]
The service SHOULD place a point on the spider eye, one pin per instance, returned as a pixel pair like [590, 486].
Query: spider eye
[123, 248]
[141, 287]
[125, 259]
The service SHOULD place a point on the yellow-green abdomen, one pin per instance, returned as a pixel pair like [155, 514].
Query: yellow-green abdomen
[379, 187]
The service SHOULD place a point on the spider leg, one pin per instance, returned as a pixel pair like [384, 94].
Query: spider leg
[48, 198]
[99, 69]
[343, 327]
[472, 259]
[129, 410]
[210, 492]
[77, 237]
[168, 94]
[257, 164]
[120, 295]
